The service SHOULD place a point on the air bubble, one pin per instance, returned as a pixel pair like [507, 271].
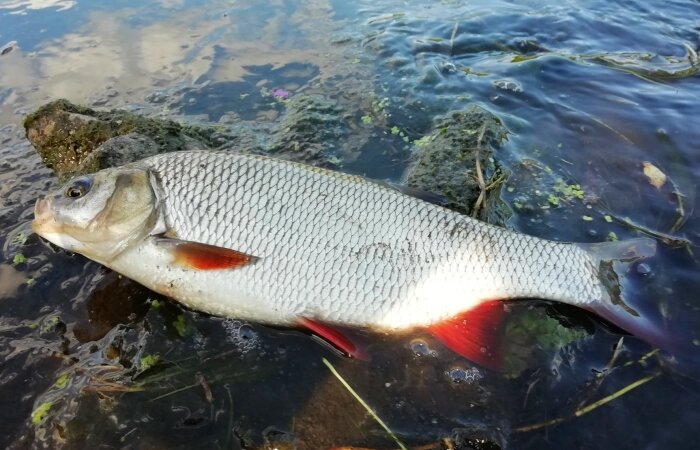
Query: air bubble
[459, 374]
[241, 334]
[644, 269]
[420, 348]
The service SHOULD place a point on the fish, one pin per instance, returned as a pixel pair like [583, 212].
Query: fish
[287, 244]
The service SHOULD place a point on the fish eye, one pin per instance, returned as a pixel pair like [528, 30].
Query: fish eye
[79, 187]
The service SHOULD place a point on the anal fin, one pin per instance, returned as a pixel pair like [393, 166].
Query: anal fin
[475, 334]
[334, 337]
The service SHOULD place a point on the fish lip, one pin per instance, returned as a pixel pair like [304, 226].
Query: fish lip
[44, 221]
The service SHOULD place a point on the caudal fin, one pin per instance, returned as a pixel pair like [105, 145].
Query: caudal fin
[614, 259]
[629, 250]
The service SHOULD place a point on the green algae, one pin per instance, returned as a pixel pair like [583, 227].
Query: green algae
[568, 191]
[530, 331]
[18, 259]
[180, 325]
[40, 413]
[62, 381]
[148, 362]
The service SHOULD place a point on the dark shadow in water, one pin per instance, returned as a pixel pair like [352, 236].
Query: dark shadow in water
[116, 300]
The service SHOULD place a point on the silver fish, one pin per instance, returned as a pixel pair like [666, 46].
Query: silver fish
[283, 243]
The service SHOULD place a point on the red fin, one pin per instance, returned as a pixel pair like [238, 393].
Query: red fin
[333, 336]
[474, 334]
[209, 257]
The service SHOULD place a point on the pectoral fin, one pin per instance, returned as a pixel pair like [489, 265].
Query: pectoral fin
[334, 337]
[475, 334]
[195, 255]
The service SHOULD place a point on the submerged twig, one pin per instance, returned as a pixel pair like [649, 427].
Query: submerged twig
[666, 238]
[680, 210]
[592, 406]
[599, 122]
[643, 359]
[205, 387]
[363, 403]
[230, 417]
[600, 376]
[173, 392]
[586, 409]
[479, 174]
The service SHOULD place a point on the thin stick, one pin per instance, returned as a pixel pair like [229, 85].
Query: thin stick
[680, 210]
[643, 359]
[604, 373]
[611, 397]
[230, 417]
[586, 409]
[663, 237]
[479, 173]
[363, 403]
[168, 394]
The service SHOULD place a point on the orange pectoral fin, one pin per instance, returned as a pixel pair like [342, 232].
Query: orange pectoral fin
[195, 255]
[475, 334]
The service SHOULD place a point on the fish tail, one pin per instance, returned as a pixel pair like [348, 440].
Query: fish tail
[629, 250]
[613, 260]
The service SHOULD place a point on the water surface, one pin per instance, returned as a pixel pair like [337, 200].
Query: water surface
[589, 91]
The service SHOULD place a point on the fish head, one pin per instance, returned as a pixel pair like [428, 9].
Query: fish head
[101, 214]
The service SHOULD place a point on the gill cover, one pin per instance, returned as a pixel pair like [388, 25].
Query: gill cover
[101, 215]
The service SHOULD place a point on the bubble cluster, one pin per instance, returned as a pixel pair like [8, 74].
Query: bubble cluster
[241, 334]
[459, 374]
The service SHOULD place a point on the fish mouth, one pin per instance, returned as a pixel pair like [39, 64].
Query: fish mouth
[46, 226]
[44, 221]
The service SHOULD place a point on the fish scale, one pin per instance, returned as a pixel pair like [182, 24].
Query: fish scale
[340, 248]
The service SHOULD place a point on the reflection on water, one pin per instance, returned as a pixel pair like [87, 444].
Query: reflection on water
[115, 57]
[589, 90]
[23, 6]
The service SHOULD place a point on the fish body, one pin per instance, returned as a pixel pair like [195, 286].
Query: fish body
[305, 242]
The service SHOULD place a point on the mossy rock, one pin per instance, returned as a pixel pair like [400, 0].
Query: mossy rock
[66, 135]
[445, 161]
[310, 131]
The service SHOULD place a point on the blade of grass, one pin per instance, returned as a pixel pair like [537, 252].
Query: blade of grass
[588, 408]
[363, 403]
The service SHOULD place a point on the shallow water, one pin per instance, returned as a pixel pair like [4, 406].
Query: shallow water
[589, 90]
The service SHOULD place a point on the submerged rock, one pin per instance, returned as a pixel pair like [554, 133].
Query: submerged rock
[309, 131]
[446, 161]
[73, 139]
[66, 136]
